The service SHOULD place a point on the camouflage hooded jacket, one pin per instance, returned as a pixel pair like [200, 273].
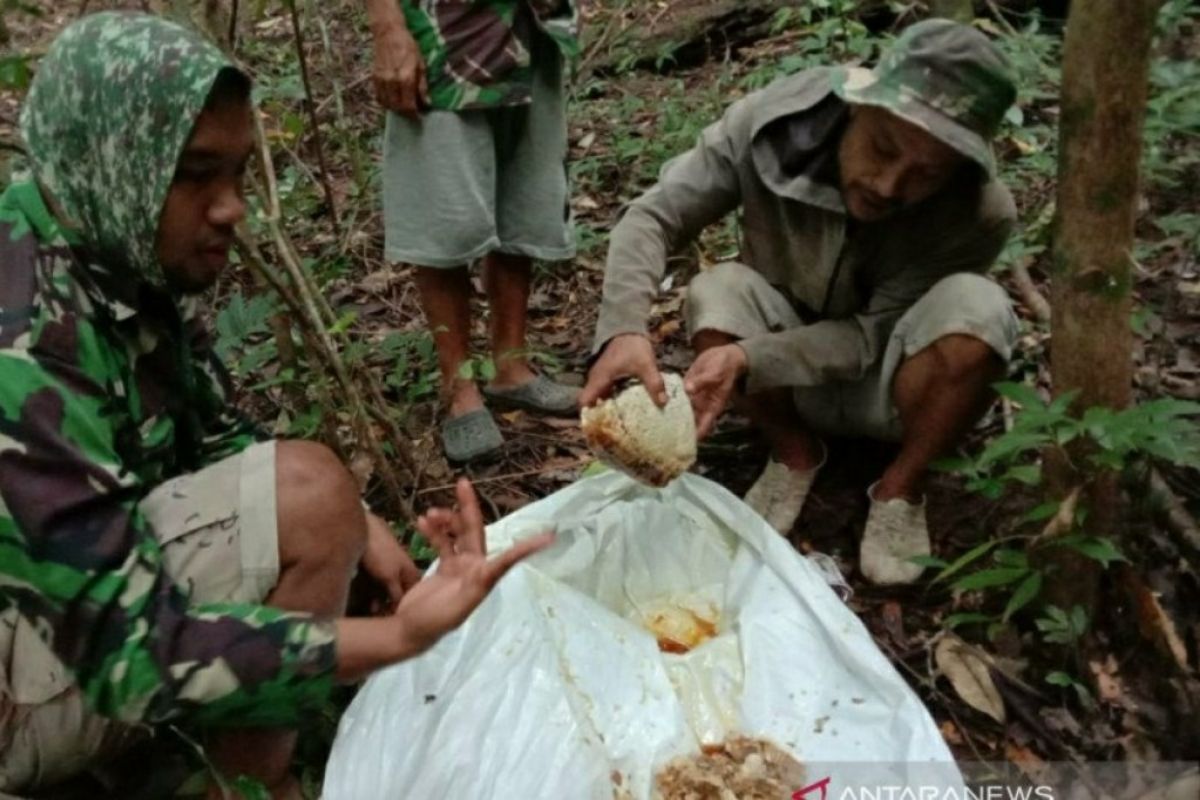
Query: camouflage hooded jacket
[478, 52]
[107, 388]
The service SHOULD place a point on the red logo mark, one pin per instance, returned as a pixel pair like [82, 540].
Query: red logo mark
[822, 784]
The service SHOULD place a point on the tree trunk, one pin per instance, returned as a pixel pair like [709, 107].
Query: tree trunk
[1104, 84]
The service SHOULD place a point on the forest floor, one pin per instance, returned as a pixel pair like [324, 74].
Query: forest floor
[652, 76]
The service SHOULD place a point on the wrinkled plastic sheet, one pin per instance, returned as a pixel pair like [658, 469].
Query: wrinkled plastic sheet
[555, 687]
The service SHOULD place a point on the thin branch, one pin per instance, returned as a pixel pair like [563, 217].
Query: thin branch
[1003, 20]
[311, 107]
[507, 476]
[233, 26]
[319, 341]
[312, 308]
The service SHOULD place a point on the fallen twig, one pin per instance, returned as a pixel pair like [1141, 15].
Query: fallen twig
[1034, 300]
[1176, 517]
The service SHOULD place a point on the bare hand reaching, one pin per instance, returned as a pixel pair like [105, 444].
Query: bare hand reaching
[444, 599]
[629, 355]
[710, 383]
[438, 603]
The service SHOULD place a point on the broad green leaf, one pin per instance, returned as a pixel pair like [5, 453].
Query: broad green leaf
[1097, 548]
[594, 468]
[1079, 619]
[966, 618]
[1024, 595]
[343, 323]
[1021, 393]
[967, 558]
[487, 369]
[987, 578]
[1028, 474]
[1008, 557]
[1054, 616]
[1060, 679]
[1042, 512]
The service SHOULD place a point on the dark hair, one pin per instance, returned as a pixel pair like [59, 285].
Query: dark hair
[231, 86]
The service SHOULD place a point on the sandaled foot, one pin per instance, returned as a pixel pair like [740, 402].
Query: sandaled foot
[539, 395]
[895, 533]
[470, 436]
[779, 493]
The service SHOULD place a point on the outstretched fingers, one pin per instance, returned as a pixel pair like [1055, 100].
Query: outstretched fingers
[469, 520]
[436, 525]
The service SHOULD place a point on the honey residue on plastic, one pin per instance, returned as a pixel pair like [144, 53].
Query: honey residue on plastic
[679, 630]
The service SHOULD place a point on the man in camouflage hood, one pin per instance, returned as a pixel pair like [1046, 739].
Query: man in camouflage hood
[870, 213]
[159, 560]
[474, 171]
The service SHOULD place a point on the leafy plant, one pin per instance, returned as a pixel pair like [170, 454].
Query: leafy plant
[241, 327]
[1062, 627]
[1013, 578]
[1066, 680]
[413, 372]
[1157, 429]
[477, 368]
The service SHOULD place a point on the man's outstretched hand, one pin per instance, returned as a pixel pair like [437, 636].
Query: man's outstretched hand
[710, 383]
[439, 602]
[464, 575]
[628, 355]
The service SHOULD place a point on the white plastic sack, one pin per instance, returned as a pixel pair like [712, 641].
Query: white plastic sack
[555, 688]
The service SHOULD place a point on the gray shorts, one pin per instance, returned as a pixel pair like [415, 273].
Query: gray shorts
[734, 299]
[217, 528]
[458, 185]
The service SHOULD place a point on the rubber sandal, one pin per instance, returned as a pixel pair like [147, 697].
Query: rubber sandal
[540, 395]
[470, 436]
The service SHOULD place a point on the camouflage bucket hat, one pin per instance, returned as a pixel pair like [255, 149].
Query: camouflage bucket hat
[944, 77]
[109, 112]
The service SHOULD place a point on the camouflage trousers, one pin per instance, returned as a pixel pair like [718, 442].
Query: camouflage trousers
[218, 532]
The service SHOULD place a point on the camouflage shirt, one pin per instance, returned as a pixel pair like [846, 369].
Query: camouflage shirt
[477, 52]
[108, 388]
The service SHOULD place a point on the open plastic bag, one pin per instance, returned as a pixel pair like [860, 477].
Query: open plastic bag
[557, 688]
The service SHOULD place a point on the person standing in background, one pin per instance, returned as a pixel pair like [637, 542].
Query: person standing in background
[474, 170]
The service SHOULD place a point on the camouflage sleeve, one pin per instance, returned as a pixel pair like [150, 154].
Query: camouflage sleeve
[226, 431]
[79, 560]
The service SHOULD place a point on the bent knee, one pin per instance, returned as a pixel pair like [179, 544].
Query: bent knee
[733, 299]
[315, 491]
[962, 356]
[969, 316]
[721, 282]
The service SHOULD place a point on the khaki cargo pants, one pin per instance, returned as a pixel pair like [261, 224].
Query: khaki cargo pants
[220, 543]
[734, 299]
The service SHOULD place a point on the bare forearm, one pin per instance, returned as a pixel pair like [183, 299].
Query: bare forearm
[367, 644]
